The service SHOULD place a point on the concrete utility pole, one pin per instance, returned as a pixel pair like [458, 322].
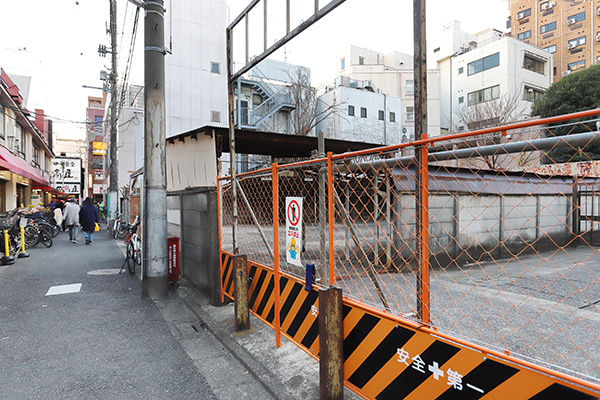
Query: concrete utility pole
[154, 196]
[113, 163]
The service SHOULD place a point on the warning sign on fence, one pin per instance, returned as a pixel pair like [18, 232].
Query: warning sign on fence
[293, 231]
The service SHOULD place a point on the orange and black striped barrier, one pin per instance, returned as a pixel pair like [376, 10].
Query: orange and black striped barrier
[386, 357]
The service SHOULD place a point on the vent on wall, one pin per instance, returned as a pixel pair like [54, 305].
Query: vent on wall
[215, 116]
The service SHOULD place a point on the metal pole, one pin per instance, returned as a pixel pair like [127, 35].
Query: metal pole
[154, 214]
[421, 195]
[232, 140]
[113, 164]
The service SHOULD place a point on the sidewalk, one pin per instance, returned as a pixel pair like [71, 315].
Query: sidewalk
[285, 373]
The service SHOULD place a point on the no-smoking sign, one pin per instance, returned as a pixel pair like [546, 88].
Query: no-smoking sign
[293, 212]
[293, 235]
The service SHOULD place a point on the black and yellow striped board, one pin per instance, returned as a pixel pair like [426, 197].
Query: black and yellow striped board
[386, 359]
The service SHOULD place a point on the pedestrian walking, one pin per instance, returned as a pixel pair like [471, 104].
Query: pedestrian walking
[88, 218]
[71, 219]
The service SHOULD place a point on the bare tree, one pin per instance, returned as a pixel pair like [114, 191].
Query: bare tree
[307, 113]
[503, 110]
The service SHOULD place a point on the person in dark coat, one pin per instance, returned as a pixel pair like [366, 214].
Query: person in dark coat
[88, 217]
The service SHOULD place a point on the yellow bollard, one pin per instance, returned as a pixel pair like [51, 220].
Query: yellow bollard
[7, 259]
[23, 253]
[6, 249]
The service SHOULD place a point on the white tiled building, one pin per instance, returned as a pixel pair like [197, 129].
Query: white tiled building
[391, 78]
[196, 71]
[490, 65]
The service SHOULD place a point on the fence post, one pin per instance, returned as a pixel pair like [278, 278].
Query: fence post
[331, 218]
[277, 306]
[576, 210]
[240, 294]
[331, 338]
[422, 237]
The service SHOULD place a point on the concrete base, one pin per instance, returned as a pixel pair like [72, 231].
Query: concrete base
[8, 260]
[155, 287]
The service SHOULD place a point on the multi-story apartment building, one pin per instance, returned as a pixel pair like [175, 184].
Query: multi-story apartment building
[476, 69]
[570, 30]
[25, 150]
[97, 140]
[392, 75]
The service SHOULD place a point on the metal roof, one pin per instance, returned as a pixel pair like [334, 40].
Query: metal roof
[272, 144]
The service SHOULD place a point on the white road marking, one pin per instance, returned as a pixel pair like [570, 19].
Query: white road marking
[63, 289]
[99, 272]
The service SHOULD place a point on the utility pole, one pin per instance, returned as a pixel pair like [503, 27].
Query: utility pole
[113, 164]
[154, 196]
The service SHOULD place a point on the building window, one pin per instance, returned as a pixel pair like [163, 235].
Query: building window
[524, 35]
[551, 49]
[215, 67]
[215, 116]
[392, 117]
[409, 88]
[548, 27]
[363, 112]
[576, 18]
[98, 125]
[576, 42]
[410, 114]
[483, 64]
[361, 61]
[351, 111]
[576, 66]
[461, 70]
[381, 115]
[343, 64]
[461, 100]
[531, 94]
[483, 95]
[36, 157]
[524, 14]
[533, 64]
[19, 146]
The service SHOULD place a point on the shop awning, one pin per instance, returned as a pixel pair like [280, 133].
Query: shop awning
[14, 164]
[48, 189]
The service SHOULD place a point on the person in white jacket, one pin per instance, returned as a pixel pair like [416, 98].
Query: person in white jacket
[71, 216]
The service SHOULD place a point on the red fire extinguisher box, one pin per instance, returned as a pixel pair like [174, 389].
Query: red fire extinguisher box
[173, 249]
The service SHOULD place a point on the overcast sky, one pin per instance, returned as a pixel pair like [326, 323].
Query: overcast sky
[56, 41]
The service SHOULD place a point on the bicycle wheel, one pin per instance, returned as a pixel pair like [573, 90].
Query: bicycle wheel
[115, 231]
[46, 239]
[32, 236]
[131, 258]
[55, 230]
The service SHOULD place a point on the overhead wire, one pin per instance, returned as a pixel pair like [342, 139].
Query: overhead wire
[125, 82]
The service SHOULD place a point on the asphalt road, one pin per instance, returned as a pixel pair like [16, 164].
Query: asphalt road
[101, 341]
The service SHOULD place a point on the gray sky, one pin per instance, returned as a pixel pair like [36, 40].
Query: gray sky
[56, 41]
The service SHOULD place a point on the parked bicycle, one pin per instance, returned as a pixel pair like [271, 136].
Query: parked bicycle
[133, 245]
[120, 228]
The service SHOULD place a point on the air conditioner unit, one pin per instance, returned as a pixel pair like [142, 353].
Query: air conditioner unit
[598, 11]
[597, 62]
[565, 73]
[571, 46]
[598, 37]
[545, 6]
[405, 134]
[520, 15]
[551, 5]
[571, 21]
